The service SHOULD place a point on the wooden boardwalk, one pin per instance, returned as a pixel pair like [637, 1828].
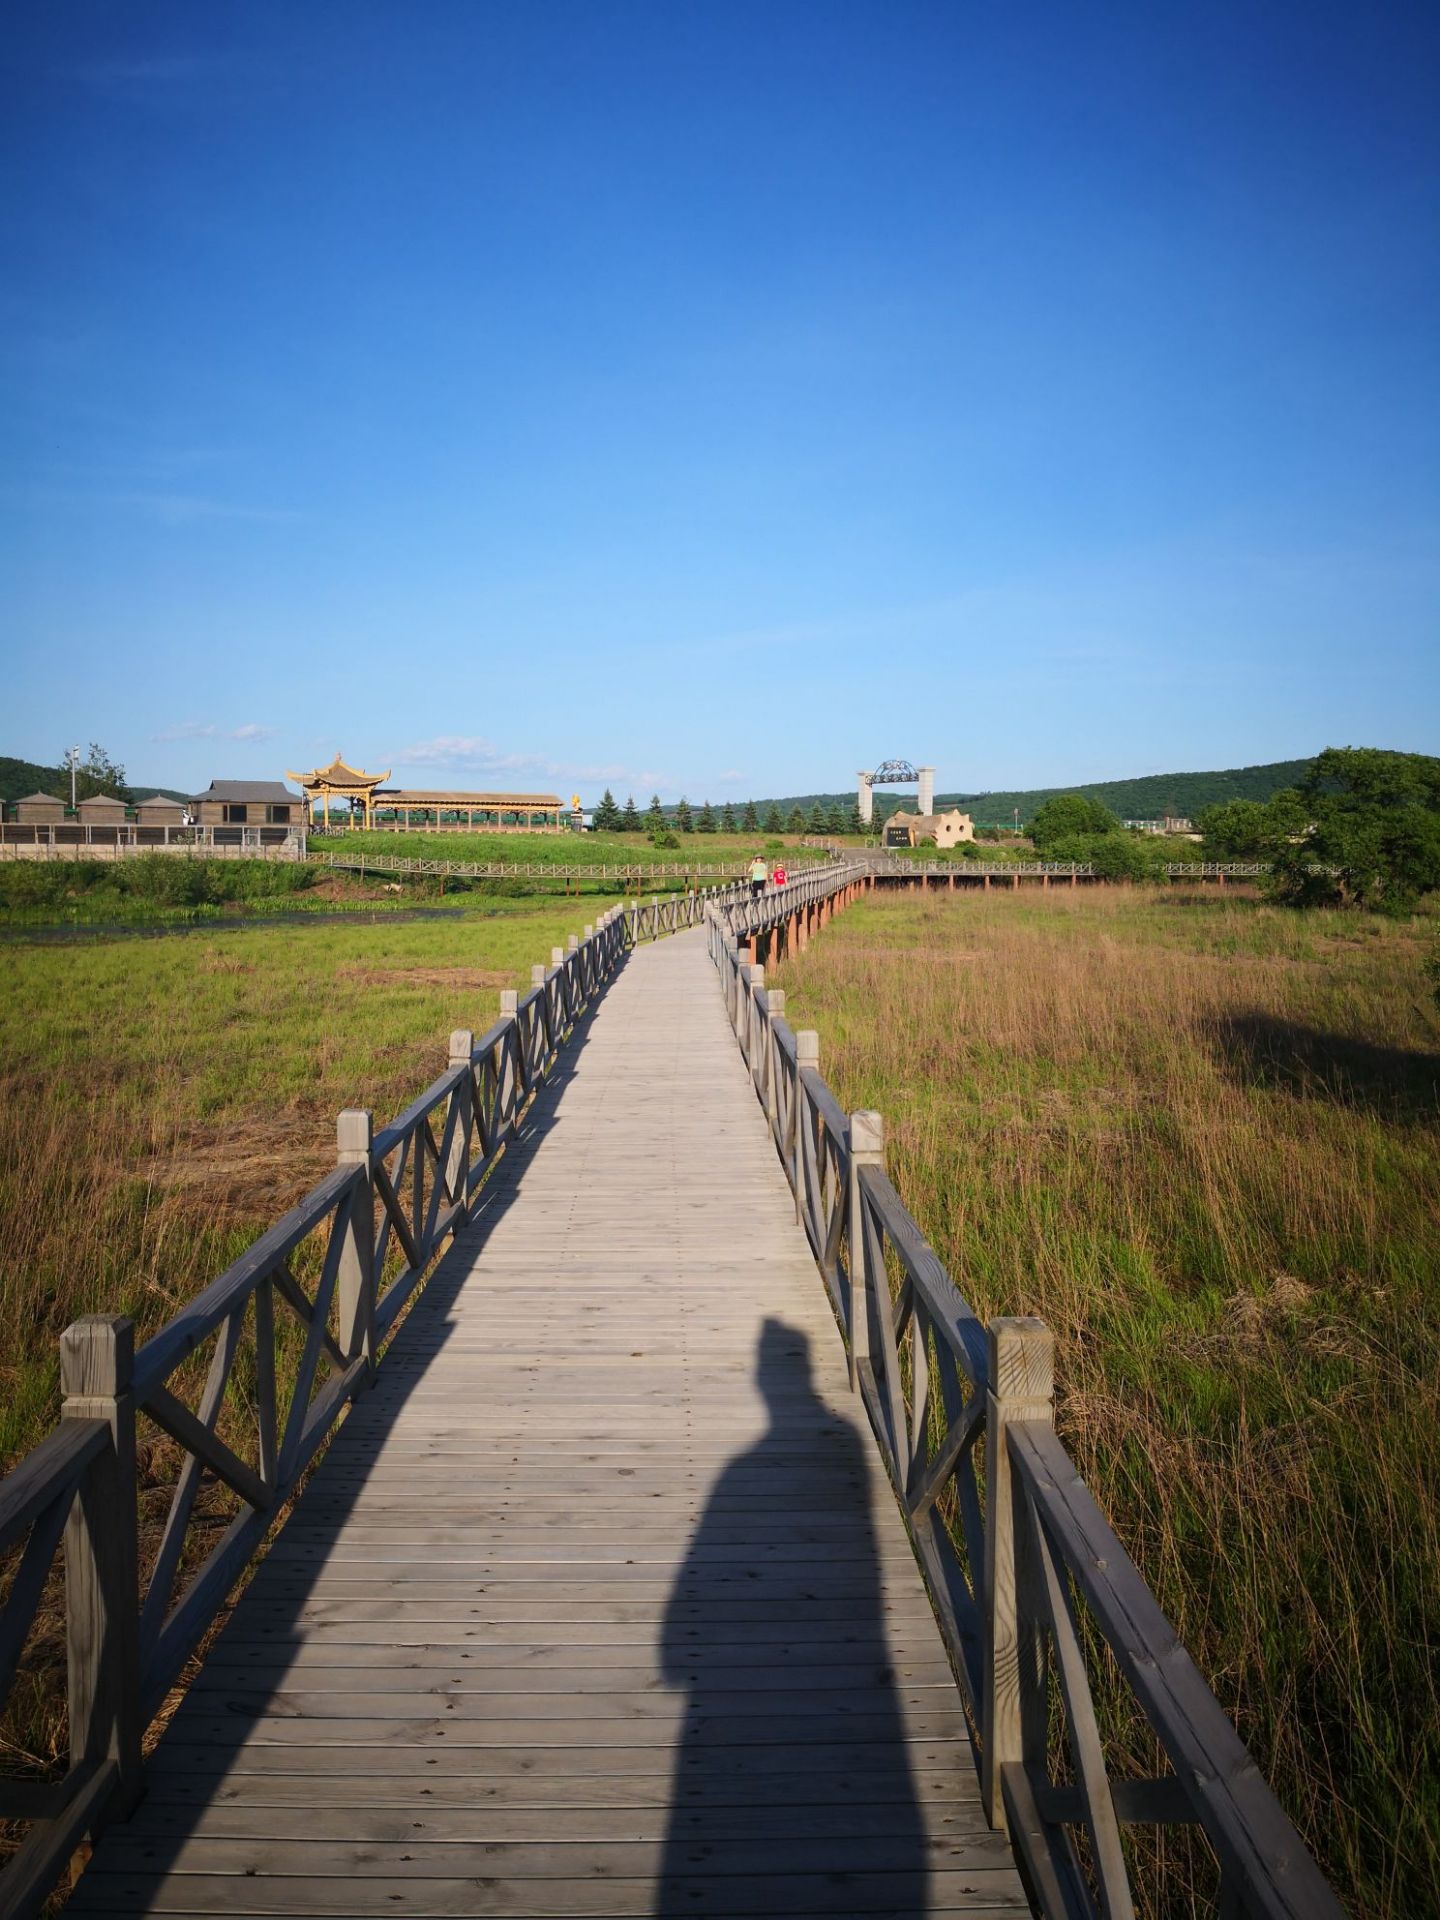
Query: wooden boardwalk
[599, 1603]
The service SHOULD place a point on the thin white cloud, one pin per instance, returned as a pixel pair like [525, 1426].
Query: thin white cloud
[208, 730]
[186, 509]
[165, 508]
[471, 753]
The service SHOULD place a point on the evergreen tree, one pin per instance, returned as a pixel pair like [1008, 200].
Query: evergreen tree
[684, 819]
[630, 818]
[796, 821]
[655, 815]
[857, 825]
[816, 822]
[606, 817]
[835, 821]
[751, 819]
[706, 822]
[773, 823]
[727, 819]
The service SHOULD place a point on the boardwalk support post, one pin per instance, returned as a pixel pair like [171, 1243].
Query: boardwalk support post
[1021, 1371]
[102, 1607]
[867, 1149]
[355, 1278]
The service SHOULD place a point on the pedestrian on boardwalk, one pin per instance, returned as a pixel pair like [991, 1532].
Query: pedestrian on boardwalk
[779, 876]
[758, 875]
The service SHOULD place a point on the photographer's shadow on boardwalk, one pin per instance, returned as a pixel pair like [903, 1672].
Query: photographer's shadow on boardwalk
[793, 1788]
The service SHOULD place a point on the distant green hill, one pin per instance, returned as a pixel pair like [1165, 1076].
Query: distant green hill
[20, 777]
[1144, 798]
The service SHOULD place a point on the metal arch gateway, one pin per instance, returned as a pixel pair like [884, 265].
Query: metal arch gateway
[895, 773]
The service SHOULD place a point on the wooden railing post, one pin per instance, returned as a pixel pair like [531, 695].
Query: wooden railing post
[807, 1054]
[355, 1277]
[775, 1008]
[462, 1045]
[1021, 1387]
[757, 1026]
[867, 1149]
[102, 1598]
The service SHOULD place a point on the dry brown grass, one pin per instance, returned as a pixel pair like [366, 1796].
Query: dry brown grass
[1199, 1137]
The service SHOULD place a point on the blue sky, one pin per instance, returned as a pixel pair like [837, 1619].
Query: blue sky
[715, 397]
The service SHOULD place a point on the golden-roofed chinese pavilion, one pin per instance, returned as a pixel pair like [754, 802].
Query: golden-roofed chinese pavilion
[340, 782]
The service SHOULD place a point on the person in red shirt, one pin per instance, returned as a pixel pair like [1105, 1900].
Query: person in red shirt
[778, 876]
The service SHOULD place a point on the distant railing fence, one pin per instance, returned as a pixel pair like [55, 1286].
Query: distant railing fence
[341, 1265]
[1025, 1573]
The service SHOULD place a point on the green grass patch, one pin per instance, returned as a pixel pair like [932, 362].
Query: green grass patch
[691, 851]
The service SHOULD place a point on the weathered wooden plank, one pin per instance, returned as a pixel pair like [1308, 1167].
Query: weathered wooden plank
[722, 1855]
[992, 1895]
[800, 1810]
[542, 1733]
[393, 1670]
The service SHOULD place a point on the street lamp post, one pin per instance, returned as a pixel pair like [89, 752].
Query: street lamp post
[72, 760]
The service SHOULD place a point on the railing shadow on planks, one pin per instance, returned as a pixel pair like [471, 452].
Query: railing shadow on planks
[295, 1328]
[1031, 1587]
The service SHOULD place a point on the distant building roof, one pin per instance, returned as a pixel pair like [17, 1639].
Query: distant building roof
[26, 798]
[447, 797]
[248, 790]
[160, 800]
[103, 800]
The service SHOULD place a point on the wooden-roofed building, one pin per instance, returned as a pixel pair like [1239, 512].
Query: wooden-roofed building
[338, 782]
[447, 810]
[40, 809]
[101, 810]
[158, 811]
[103, 817]
[248, 803]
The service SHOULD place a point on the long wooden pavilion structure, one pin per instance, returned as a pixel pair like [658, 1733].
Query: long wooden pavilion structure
[444, 809]
[339, 781]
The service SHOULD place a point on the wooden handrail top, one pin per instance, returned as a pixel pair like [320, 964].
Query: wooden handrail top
[1245, 1823]
[947, 1306]
[164, 1350]
[831, 1114]
[419, 1109]
[492, 1036]
[785, 1038]
[46, 1472]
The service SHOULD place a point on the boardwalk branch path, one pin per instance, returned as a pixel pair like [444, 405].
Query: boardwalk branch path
[599, 1603]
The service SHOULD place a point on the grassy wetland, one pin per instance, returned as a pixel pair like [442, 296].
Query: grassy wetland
[161, 1102]
[1198, 1135]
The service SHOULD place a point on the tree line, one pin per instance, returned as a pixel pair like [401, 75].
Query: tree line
[1362, 828]
[610, 817]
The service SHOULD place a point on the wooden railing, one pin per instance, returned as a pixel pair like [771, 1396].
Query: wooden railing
[1032, 1590]
[615, 870]
[340, 1267]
